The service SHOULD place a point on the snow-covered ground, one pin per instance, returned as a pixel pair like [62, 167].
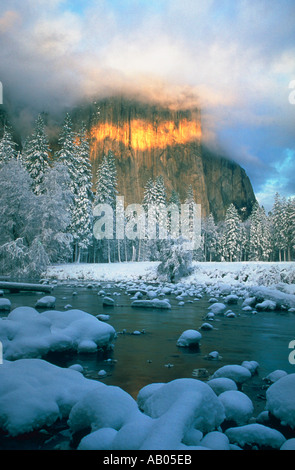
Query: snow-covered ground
[246, 273]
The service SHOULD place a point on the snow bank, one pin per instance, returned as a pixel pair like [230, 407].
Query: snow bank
[116, 272]
[28, 333]
[248, 273]
[280, 400]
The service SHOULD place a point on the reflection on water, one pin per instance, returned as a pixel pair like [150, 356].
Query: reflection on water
[153, 356]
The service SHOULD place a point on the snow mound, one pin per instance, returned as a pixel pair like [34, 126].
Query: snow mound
[288, 445]
[46, 302]
[27, 333]
[152, 303]
[222, 384]
[280, 400]
[34, 393]
[5, 304]
[255, 435]
[238, 406]
[104, 407]
[217, 308]
[235, 372]
[275, 375]
[216, 440]
[189, 338]
[207, 412]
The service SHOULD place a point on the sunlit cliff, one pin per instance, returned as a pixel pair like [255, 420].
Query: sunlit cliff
[143, 135]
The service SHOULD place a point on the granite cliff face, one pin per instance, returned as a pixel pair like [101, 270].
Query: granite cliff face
[149, 140]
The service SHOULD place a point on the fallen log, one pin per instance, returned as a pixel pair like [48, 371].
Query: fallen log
[15, 287]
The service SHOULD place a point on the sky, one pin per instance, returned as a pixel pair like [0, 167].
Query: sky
[233, 58]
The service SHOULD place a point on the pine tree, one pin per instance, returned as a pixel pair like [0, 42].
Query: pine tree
[290, 211]
[7, 146]
[106, 191]
[68, 154]
[279, 222]
[210, 237]
[82, 219]
[231, 235]
[174, 198]
[36, 155]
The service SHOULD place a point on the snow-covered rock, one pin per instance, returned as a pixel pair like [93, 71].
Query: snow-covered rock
[222, 384]
[217, 308]
[267, 305]
[193, 395]
[280, 400]
[103, 317]
[237, 405]
[152, 303]
[28, 333]
[274, 376]
[35, 393]
[46, 302]
[206, 326]
[288, 445]
[108, 301]
[231, 299]
[5, 304]
[189, 338]
[255, 435]
[216, 440]
[252, 366]
[235, 372]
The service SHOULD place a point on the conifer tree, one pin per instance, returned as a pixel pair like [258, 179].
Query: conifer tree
[7, 146]
[231, 235]
[36, 155]
[279, 222]
[82, 219]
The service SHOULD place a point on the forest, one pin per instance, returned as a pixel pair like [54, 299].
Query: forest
[47, 212]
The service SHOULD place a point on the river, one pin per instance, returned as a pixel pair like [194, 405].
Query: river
[153, 356]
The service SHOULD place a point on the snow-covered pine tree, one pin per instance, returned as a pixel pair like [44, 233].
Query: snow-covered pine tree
[35, 155]
[174, 198]
[279, 225]
[106, 191]
[82, 218]
[210, 237]
[231, 234]
[259, 235]
[290, 226]
[7, 146]
[68, 155]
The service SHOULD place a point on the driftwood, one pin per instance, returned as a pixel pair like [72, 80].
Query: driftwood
[20, 286]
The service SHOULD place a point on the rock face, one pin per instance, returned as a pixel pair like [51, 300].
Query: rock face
[149, 140]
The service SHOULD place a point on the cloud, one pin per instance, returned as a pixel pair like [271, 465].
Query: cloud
[234, 59]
